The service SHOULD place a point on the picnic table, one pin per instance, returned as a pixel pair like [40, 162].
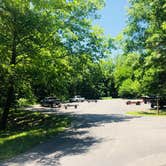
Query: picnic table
[133, 102]
[71, 105]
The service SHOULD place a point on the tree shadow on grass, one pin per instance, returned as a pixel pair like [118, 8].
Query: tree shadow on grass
[74, 141]
[153, 111]
[43, 109]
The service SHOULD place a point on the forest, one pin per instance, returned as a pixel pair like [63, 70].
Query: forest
[52, 48]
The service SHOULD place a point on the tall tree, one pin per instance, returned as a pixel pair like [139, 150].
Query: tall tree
[127, 75]
[34, 44]
[146, 35]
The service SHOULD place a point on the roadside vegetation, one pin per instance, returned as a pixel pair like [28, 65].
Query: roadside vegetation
[51, 48]
[27, 129]
[147, 113]
[141, 68]
[106, 98]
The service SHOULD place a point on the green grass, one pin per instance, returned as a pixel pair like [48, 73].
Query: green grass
[106, 98]
[147, 113]
[27, 129]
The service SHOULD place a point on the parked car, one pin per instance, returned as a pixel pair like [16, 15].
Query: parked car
[51, 102]
[153, 101]
[77, 98]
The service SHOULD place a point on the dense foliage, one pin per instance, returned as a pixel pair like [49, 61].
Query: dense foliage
[49, 48]
[141, 69]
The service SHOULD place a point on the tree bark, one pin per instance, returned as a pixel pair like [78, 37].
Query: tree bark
[7, 106]
[10, 92]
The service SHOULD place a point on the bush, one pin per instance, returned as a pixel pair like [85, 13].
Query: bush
[129, 89]
[25, 102]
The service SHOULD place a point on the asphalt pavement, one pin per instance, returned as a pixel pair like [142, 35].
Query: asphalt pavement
[102, 135]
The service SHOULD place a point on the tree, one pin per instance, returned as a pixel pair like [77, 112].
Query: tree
[107, 67]
[127, 75]
[146, 36]
[86, 71]
[35, 39]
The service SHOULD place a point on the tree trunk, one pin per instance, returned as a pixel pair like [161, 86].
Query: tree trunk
[10, 92]
[7, 106]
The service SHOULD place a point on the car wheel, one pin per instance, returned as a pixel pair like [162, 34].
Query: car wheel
[152, 105]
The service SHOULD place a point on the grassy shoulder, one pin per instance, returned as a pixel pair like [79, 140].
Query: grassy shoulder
[106, 98]
[26, 129]
[147, 113]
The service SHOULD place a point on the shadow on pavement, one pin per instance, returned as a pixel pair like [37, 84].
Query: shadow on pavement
[92, 120]
[76, 140]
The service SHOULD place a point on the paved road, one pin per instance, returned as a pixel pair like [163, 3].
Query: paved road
[102, 135]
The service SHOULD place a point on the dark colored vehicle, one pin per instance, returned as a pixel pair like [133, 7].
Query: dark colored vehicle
[51, 102]
[153, 100]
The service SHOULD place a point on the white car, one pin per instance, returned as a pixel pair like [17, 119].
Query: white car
[77, 98]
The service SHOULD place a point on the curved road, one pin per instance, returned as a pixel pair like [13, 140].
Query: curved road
[102, 135]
